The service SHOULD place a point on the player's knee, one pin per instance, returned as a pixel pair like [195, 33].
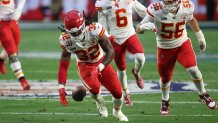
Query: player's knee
[95, 90]
[194, 72]
[139, 57]
[121, 67]
[166, 79]
[117, 94]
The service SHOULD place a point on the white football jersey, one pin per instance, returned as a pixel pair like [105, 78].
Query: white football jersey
[171, 29]
[119, 17]
[7, 7]
[11, 9]
[88, 49]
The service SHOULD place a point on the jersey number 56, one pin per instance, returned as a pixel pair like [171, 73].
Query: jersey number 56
[172, 30]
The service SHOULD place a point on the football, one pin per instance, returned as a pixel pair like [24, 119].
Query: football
[79, 93]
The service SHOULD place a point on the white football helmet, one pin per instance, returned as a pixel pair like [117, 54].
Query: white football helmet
[170, 5]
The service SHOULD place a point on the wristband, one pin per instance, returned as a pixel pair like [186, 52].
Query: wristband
[200, 36]
[101, 66]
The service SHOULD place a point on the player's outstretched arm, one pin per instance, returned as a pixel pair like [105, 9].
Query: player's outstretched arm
[145, 24]
[199, 34]
[139, 8]
[62, 76]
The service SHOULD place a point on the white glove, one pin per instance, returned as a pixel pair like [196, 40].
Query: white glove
[100, 67]
[201, 40]
[147, 26]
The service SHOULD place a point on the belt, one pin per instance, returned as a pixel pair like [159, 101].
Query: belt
[3, 19]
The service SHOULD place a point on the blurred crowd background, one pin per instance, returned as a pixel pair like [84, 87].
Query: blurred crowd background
[54, 10]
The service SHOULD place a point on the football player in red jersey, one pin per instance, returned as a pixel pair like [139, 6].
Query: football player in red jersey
[170, 17]
[89, 43]
[10, 37]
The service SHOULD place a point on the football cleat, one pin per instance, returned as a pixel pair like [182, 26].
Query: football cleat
[127, 100]
[139, 79]
[119, 115]
[164, 109]
[25, 85]
[208, 101]
[2, 67]
[102, 110]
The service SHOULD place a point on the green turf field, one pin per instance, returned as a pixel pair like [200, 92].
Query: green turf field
[185, 106]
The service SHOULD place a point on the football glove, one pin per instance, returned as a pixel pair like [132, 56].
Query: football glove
[201, 40]
[97, 71]
[147, 26]
[63, 99]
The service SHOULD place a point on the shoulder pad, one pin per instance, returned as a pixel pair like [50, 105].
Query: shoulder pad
[153, 8]
[64, 38]
[188, 6]
[96, 29]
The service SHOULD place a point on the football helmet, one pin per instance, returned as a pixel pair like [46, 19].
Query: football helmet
[75, 24]
[171, 5]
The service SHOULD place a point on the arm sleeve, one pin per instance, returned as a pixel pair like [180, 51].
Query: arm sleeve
[139, 8]
[20, 4]
[191, 12]
[62, 71]
[147, 19]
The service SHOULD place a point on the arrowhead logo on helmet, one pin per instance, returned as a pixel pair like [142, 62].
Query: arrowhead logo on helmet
[75, 24]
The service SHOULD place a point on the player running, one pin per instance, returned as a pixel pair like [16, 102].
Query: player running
[170, 18]
[10, 12]
[117, 16]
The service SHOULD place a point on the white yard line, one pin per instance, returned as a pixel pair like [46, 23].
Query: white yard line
[95, 114]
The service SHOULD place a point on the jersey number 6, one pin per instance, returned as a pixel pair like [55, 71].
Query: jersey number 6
[121, 21]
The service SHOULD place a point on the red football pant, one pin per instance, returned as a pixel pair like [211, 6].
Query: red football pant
[167, 59]
[108, 78]
[10, 36]
[132, 45]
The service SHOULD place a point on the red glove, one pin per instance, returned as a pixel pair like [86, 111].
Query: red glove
[63, 99]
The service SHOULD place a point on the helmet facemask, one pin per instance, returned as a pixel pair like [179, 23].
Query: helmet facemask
[171, 5]
[78, 34]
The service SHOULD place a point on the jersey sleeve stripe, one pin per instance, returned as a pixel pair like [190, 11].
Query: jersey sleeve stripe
[150, 13]
[102, 32]
[98, 8]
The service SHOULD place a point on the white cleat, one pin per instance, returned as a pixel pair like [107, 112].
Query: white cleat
[119, 115]
[103, 111]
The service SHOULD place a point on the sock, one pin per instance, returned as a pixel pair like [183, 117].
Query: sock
[123, 79]
[117, 103]
[165, 89]
[197, 79]
[139, 62]
[199, 84]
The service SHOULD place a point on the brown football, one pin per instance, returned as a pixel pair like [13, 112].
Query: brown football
[79, 93]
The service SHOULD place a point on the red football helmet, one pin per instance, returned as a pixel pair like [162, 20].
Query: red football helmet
[75, 24]
[171, 5]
